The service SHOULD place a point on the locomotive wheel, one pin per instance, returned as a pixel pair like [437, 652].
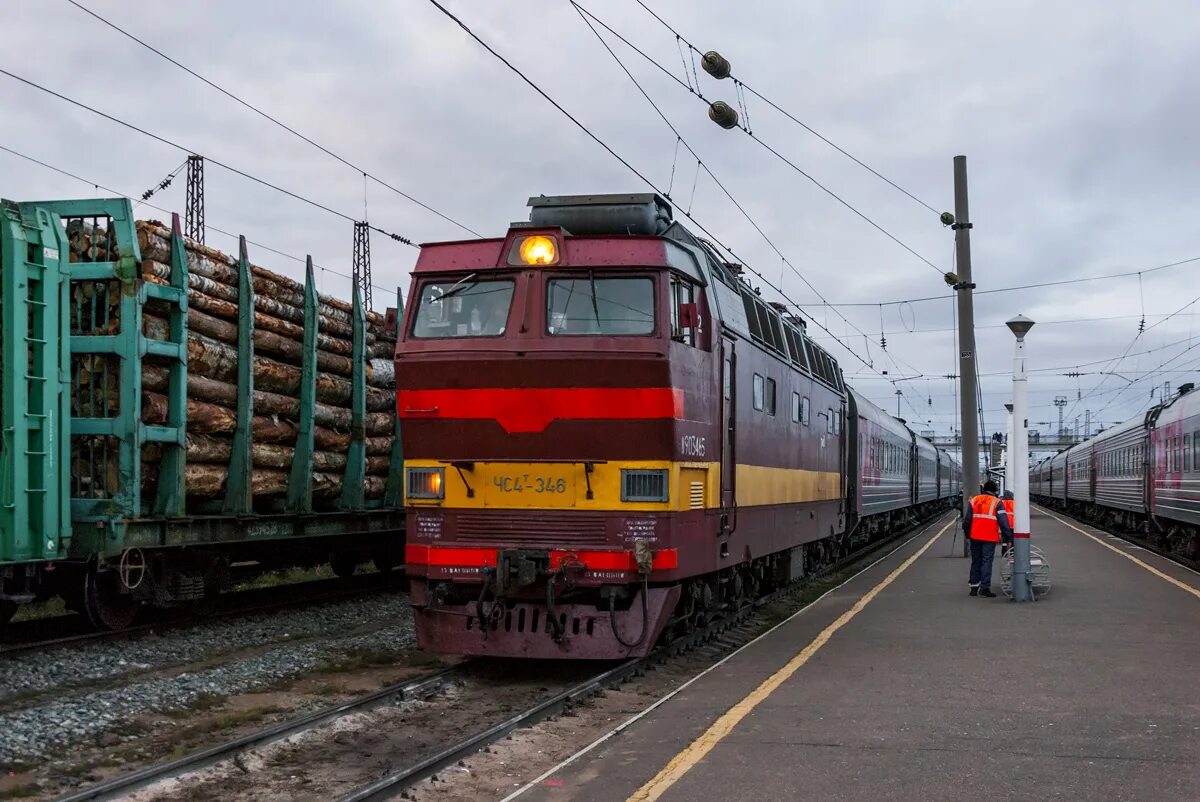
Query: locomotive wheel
[8, 609]
[344, 565]
[103, 603]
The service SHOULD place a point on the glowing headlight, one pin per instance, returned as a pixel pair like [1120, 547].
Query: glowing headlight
[426, 482]
[536, 250]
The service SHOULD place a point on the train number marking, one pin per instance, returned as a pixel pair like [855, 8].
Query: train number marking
[524, 483]
[692, 445]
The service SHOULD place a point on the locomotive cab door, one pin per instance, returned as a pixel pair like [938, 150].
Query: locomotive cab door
[728, 437]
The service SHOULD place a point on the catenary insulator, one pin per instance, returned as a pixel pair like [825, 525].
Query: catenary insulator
[715, 64]
[723, 114]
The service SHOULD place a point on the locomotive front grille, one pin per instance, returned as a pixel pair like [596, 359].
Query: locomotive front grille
[540, 528]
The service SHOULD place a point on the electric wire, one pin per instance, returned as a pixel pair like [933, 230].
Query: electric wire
[767, 146]
[207, 225]
[272, 119]
[208, 159]
[746, 87]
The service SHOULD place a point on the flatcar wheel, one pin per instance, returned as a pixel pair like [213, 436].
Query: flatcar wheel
[103, 603]
[344, 565]
[7, 610]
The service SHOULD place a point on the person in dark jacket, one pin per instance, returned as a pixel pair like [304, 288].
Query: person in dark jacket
[984, 523]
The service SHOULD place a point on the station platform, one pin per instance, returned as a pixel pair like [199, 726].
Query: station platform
[898, 685]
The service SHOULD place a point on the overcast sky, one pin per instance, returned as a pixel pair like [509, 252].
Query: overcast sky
[1079, 121]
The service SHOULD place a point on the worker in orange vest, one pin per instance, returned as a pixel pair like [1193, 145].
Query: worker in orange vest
[1006, 541]
[984, 522]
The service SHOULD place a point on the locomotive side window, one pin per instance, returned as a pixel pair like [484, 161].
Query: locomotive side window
[604, 306]
[685, 312]
[464, 308]
[795, 407]
[770, 397]
[728, 378]
[758, 392]
[804, 410]
[1187, 452]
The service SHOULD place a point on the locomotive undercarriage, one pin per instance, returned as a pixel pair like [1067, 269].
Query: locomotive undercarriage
[110, 592]
[1173, 537]
[524, 608]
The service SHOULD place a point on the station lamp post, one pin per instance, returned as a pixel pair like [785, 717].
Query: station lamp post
[1008, 452]
[1018, 463]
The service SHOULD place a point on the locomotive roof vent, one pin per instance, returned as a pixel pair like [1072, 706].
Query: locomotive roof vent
[646, 214]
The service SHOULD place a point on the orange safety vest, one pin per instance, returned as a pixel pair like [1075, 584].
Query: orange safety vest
[984, 525]
[1010, 508]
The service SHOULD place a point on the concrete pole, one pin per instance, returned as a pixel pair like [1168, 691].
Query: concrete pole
[968, 400]
[1008, 451]
[1021, 590]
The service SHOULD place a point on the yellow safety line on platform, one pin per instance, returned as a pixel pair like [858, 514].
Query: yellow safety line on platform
[683, 762]
[1181, 585]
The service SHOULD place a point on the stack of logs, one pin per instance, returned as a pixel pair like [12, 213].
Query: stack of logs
[212, 369]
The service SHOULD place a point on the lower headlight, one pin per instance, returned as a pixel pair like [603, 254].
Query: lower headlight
[426, 482]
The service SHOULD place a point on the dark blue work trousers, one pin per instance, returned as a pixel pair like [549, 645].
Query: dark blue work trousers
[982, 554]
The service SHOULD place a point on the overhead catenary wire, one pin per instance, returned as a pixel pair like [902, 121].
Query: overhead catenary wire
[764, 144]
[208, 159]
[207, 225]
[273, 119]
[747, 88]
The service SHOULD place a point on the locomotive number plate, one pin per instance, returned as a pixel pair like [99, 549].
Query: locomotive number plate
[549, 486]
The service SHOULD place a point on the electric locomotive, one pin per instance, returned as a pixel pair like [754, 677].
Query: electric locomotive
[609, 435]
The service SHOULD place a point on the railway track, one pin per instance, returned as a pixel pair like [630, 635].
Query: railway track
[724, 635]
[39, 634]
[1133, 538]
[127, 784]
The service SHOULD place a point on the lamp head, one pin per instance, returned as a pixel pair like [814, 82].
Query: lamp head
[1020, 326]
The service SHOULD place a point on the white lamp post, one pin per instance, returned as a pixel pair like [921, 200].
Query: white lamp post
[1008, 452]
[1018, 463]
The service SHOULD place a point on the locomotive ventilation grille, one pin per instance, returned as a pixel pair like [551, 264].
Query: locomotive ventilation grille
[643, 485]
[534, 528]
[696, 501]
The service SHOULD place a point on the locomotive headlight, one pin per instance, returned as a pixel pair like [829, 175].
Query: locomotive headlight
[537, 250]
[426, 483]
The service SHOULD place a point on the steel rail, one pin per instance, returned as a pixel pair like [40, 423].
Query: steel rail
[120, 786]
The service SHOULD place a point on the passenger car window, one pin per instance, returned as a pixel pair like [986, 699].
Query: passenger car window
[604, 306]
[463, 309]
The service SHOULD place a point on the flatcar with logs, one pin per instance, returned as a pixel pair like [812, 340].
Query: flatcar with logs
[1141, 476]
[169, 411]
[609, 436]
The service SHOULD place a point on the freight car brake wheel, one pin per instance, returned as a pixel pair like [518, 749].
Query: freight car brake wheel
[103, 603]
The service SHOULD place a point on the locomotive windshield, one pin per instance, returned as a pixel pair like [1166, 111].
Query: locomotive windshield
[605, 306]
[465, 308]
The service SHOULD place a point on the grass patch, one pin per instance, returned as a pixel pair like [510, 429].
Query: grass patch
[286, 576]
[23, 791]
[47, 609]
[358, 658]
[237, 718]
[205, 701]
